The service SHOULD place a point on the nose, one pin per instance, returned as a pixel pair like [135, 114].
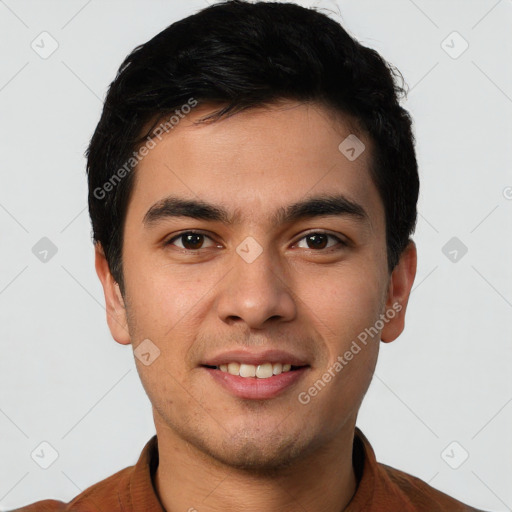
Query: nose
[256, 292]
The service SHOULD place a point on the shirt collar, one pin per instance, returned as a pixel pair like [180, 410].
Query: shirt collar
[142, 493]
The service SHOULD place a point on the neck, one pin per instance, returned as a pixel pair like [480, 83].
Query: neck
[189, 480]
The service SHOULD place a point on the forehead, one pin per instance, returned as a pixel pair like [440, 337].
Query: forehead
[257, 162]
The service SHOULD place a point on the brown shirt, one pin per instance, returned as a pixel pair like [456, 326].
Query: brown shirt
[380, 489]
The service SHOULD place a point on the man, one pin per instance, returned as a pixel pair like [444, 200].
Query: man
[252, 189]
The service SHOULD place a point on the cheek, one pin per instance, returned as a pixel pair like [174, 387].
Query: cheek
[344, 302]
[162, 297]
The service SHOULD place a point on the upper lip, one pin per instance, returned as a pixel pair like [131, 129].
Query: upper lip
[252, 357]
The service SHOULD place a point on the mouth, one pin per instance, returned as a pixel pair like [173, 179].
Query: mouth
[256, 381]
[265, 370]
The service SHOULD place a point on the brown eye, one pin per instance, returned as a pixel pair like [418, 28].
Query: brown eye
[320, 240]
[317, 241]
[189, 240]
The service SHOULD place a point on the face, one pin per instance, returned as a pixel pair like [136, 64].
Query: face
[282, 261]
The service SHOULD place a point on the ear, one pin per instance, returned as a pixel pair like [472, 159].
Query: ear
[114, 302]
[399, 289]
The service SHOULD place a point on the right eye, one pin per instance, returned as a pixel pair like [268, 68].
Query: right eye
[190, 240]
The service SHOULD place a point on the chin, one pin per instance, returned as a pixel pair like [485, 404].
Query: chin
[259, 453]
[252, 457]
[263, 445]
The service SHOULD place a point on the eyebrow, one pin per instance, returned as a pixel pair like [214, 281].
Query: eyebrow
[316, 206]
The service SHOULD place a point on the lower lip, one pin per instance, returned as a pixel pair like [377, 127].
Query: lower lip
[253, 388]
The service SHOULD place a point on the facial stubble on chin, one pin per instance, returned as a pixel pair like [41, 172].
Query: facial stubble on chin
[243, 453]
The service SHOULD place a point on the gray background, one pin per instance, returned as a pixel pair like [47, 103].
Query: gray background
[64, 381]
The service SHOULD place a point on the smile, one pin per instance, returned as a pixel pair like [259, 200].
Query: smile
[259, 371]
[256, 382]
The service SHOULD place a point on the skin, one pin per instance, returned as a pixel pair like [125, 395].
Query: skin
[217, 451]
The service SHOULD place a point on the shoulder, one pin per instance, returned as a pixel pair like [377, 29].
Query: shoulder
[130, 488]
[385, 489]
[421, 495]
[43, 506]
[107, 492]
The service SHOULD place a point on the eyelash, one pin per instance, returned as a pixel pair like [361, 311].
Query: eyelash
[341, 242]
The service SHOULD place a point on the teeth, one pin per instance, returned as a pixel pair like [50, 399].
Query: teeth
[234, 368]
[264, 371]
[247, 370]
[261, 371]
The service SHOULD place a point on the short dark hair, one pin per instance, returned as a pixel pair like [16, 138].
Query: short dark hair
[244, 55]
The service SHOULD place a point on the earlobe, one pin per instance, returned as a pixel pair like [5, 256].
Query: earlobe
[399, 290]
[114, 302]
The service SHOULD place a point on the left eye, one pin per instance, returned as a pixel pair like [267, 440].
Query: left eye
[319, 240]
